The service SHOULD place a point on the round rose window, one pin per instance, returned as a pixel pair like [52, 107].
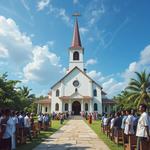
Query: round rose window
[76, 83]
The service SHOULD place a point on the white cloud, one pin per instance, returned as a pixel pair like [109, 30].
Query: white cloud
[83, 30]
[59, 13]
[42, 4]
[75, 1]
[62, 14]
[94, 11]
[15, 44]
[145, 56]
[3, 51]
[24, 3]
[113, 87]
[140, 65]
[50, 44]
[97, 76]
[43, 67]
[36, 63]
[109, 84]
[90, 62]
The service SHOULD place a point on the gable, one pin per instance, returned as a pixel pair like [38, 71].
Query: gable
[74, 73]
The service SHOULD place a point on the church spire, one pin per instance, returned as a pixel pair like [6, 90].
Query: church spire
[76, 42]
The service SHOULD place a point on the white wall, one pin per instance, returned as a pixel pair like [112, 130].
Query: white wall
[85, 88]
[97, 99]
[84, 84]
[42, 107]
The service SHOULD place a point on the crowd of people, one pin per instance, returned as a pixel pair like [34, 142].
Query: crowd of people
[130, 123]
[91, 116]
[12, 121]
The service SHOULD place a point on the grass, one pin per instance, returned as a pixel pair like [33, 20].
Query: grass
[97, 129]
[42, 136]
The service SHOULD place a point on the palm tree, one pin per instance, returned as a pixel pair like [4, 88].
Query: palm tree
[122, 102]
[25, 92]
[139, 89]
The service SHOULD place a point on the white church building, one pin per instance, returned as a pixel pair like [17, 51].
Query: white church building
[76, 91]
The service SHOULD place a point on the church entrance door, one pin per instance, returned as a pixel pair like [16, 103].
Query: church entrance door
[76, 107]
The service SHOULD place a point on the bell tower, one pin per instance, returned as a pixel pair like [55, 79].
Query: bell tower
[76, 51]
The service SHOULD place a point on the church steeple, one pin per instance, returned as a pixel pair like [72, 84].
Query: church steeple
[76, 50]
[76, 42]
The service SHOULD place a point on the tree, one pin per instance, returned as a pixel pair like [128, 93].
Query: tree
[7, 91]
[122, 101]
[13, 97]
[139, 89]
[26, 98]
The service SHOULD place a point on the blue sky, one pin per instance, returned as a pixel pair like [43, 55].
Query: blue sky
[35, 37]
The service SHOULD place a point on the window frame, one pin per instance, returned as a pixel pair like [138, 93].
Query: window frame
[56, 107]
[95, 106]
[76, 55]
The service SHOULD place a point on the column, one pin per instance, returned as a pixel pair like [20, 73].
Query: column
[91, 89]
[91, 105]
[109, 109]
[70, 106]
[82, 105]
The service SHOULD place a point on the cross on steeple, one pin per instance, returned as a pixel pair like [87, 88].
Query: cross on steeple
[76, 14]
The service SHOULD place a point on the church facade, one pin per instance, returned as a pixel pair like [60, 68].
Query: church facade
[76, 91]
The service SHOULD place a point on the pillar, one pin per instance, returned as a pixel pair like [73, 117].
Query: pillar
[91, 105]
[70, 109]
[82, 105]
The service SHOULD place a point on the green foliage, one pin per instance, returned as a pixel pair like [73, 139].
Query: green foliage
[13, 97]
[137, 92]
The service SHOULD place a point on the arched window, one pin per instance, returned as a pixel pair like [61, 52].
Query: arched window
[105, 108]
[86, 107]
[66, 107]
[57, 107]
[95, 107]
[57, 93]
[45, 109]
[76, 56]
[95, 92]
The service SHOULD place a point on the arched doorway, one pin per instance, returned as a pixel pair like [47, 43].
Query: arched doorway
[76, 107]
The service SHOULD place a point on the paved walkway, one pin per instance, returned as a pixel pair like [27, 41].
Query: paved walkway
[75, 135]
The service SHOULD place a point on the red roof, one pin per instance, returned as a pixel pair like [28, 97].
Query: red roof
[108, 101]
[76, 42]
[43, 101]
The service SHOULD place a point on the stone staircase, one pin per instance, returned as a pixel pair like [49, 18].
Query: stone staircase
[76, 117]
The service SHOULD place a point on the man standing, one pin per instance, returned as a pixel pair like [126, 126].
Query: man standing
[27, 125]
[7, 128]
[142, 132]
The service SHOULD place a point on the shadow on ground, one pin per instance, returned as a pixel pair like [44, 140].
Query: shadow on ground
[61, 147]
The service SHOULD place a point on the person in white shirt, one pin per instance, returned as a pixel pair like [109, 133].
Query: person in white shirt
[13, 139]
[112, 121]
[124, 117]
[27, 125]
[129, 123]
[7, 130]
[143, 126]
[40, 120]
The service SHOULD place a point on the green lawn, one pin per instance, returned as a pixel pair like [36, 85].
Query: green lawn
[43, 135]
[97, 128]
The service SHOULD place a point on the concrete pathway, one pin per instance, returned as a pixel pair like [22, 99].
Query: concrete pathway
[75, 135]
